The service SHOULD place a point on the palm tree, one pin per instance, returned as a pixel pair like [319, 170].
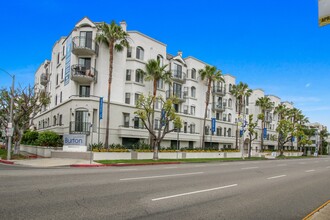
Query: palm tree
[281, 110]
[265, 105]
[211, 75]
[240, 92]
[114, 37]
[155, 72]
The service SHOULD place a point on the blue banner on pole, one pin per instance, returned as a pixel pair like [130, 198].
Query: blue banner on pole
[162, 119]
[213, 125]
[265, 133]
[101, 108]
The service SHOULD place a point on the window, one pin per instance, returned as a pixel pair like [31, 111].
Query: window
[128, 98]
[136, 122]
[54, 120]
[217, 116]
[160, 84]
[81, 121]
[84, 91]
[126, 120]
[160, 59]
[219, 131]
[185, 92]
[230, 86]
[61, 97]
[193, 73]
[247, 111]
[224, 117]
[129, 52]
[207, 130]
[177, 73]
[192, 110]
[60, 120]
[185, 109]
[230, 103]
[157, 124]
[84, 63]
[185, 127]
[139, 76]
[225, 132]
[139, 53]
[229, 132]
[177, 90]
[63, 51]
[192, 128]
[55, 99]
[193, 92]
[58, 58]
[229, 117]
[85, 39]
[137, 96]
[56, 79]
[129, 75]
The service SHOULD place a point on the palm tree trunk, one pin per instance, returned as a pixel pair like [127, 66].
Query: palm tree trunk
[152, 142]
[262, 135]
[205, 113]
[111, 45]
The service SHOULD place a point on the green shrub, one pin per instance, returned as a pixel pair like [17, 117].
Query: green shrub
[30, 137]
[49, 138]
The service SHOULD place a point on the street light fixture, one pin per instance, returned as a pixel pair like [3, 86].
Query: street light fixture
[10, 115]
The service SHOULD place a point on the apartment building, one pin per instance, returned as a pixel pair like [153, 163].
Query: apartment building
[77, 76]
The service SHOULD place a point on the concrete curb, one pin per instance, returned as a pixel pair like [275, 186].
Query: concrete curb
[310, 215]
[121, 164]
[7, 162]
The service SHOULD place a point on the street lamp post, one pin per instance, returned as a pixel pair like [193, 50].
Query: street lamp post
[10, 114]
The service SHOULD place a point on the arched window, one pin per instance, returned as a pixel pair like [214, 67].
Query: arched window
[193, 92]
[54, 120]
[160, 59]
[193, 73]
[139, 53]
[230, 103]
[229, 117]
[229, 132]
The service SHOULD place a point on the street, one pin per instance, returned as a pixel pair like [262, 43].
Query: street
[273, 189]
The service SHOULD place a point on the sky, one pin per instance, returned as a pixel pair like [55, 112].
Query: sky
[273, 45]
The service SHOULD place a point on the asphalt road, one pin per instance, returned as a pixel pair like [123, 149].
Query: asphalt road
[278, 189]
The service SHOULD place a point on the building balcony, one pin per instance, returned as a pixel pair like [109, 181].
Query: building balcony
[44, 79]
[178, 76]
[219, 107]
[268, 119]
[83, 74]
[79, 127]
[84, 46]
[220, 91]
[181, 96]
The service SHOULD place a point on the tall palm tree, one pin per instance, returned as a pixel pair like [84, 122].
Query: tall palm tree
[155, 72]
[281, 110]
[264, 104]
[115, 38]
[240, 91]
[211, 75]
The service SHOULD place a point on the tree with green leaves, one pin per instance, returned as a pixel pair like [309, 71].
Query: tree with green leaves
[28, 102]
[265, 105]
[166, 115]
[155, 72]
[211, 75]
[240, 91]
[323, 143]
[252, 132]
[115, 38]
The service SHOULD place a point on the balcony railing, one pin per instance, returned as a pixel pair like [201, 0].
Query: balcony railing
[79, 127]
[178, 94]
[84, 46]
[178, 75]
[219, 91]
[218, 107]
[44, 78]
[82, 74]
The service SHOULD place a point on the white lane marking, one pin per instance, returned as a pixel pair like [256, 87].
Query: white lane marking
[248, 168]
[162, 176]
[169, 167]
[307, 171]
[275, 177]
[127, 169]
[281, 165]
[194, 192]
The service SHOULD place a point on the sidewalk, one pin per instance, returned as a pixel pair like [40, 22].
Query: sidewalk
[321, 213]
[50, 162]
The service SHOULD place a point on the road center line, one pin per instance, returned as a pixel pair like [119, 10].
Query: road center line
[248, 168]
[194, 192]
[162, 176]
[275, 177]
[307, 171]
